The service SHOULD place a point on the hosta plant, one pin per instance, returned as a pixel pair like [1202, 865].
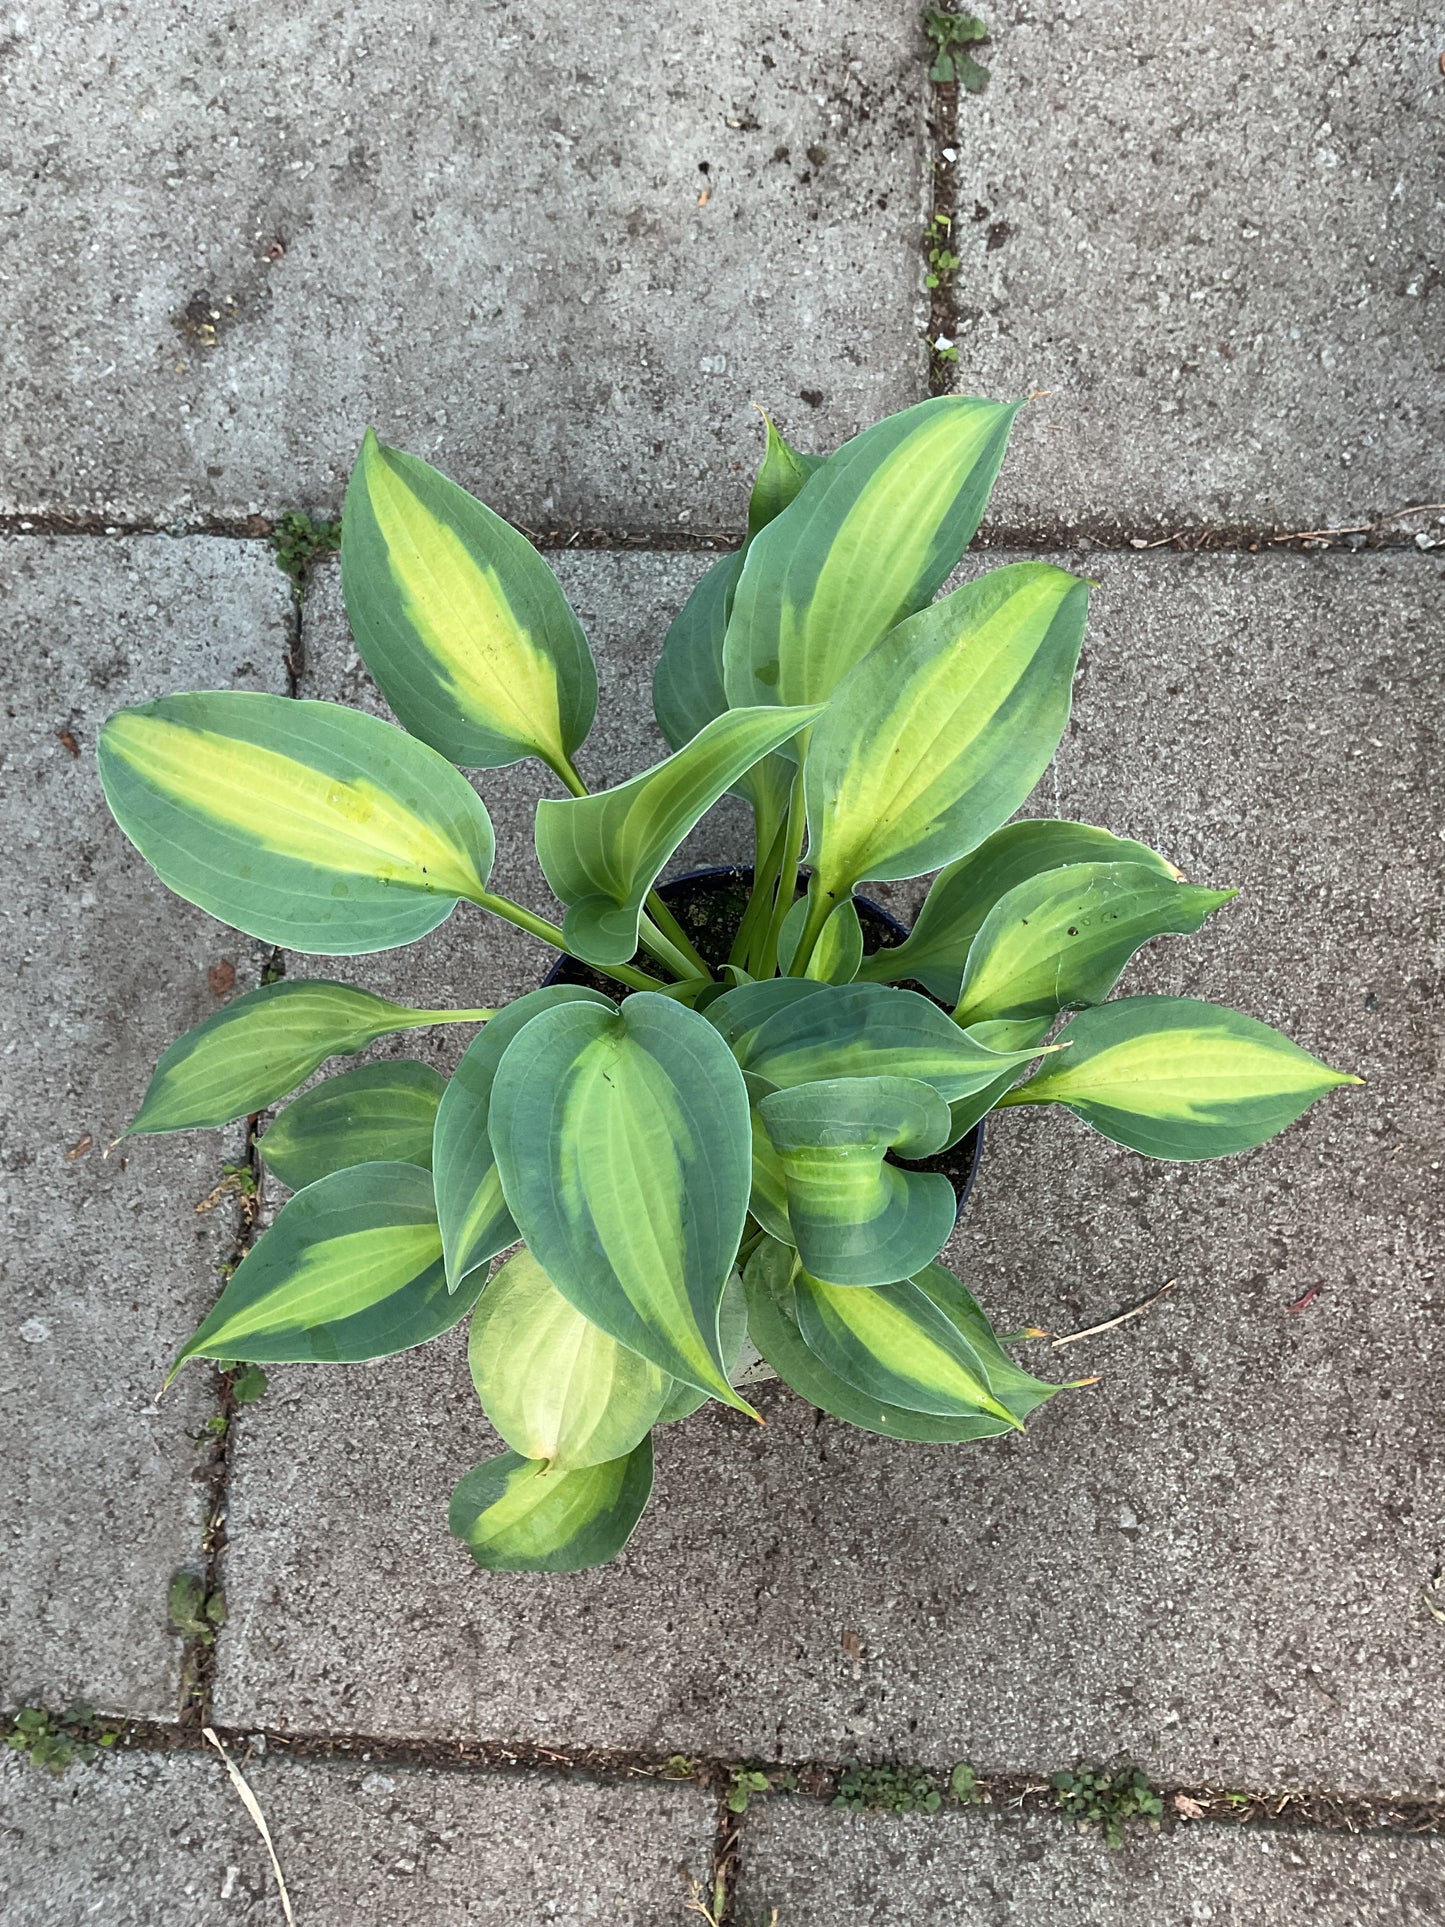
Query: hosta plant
[717, 1158]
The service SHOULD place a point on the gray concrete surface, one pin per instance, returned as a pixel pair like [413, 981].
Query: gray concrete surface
[1213, 235]
[163, 1841]
[1215, 1559]
[104, 1265]
[844, 1870]
[559, 252]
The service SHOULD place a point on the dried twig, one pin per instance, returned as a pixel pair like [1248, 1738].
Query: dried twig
[1092, 1331]
[252, 1806]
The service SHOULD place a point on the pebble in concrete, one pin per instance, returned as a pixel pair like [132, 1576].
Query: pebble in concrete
[163, 1841]
[559, 252]
[1212, 238]
[837, 1869]
[106, 1265]
[1215, 1559]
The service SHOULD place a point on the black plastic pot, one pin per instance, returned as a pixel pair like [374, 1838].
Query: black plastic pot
[709, 905]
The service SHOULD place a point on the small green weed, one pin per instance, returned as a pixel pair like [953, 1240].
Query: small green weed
[964, 1786]
[192, 1611]
[951, 35]
[888, 1789]
[1093, 1797]
[248, 1385]
[297, 540]
[745, 1782]
[941, 258]
[52, 1740]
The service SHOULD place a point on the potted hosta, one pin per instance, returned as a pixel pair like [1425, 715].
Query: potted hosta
[720, 1135]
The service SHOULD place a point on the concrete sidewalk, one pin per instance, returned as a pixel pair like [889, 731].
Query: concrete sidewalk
[561, 255]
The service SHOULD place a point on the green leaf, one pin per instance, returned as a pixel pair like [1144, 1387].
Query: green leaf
[1007, 1380]
[602, 854]
[1062, 938]
[351, 1269]
[555, 1387]
[248, 1385]
[301, 823]
[622, 1138]
[780, 478]
[1027, 1036]
[683, 1400]
[861, 1030]
[378, 1113]
[687, 685]
[475, 1221]
[872, 536]
[962, 896]
[1175, 1078]
[893, 1343]
[261, 1046]
[768, 1282]
[740, 1013]
[939, 734]
[839, 949]
[516, 1516]
[458, 618]
[855, 1219]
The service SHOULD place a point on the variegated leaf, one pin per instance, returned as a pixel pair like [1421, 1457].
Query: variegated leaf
[894, 1343]
[554, 1386]
[475, 1221]
[376, 1114]
[514, 1515]
[856, 1219]
[1175, 1078]
[860, 1030]
[939, 734]
[261, 1046]
[872, 536]
[301, 823]
[458, 618]
[1062, 938]
[622, 1138]
[962, 895]
[351, 1269]
[602, 854]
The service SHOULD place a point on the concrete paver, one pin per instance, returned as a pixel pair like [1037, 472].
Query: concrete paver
[559, 252]
[1213, 238]
[105, 1265]
[840, 1869]
[1214, 1559]
[163, 1841]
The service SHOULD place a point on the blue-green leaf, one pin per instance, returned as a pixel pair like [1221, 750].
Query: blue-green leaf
[261, 1046]
[301, 823]
[475, 1221]
[1175, 1078]
[351, 1269]
[602, 854]
[962, 896]
[622, 1139]
[375, 1114]
[855, 1219]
